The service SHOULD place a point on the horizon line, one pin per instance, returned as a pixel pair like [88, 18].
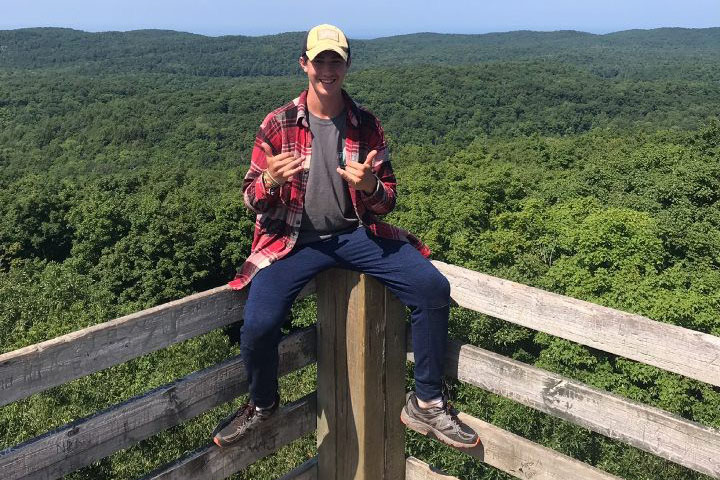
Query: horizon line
[358, 37]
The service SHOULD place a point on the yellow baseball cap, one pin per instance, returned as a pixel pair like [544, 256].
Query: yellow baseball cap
[326, 37]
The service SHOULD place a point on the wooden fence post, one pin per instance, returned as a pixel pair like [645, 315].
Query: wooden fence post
[361, 379]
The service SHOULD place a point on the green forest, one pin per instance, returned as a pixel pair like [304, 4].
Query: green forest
[581, 164]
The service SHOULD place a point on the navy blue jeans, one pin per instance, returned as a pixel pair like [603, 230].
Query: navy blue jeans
[398, 265]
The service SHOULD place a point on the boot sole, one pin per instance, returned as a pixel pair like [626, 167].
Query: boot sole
[425, 429]
[224, 444]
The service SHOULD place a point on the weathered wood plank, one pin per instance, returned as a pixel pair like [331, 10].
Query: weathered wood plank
[306, 471]
[418, 470]
[44, 365]
[393, 383]
[360, 379]
[524, 459]
[62, 359]
[85, 441]
[651, 429]
[676, 349]
[333, 293]
[212, 463]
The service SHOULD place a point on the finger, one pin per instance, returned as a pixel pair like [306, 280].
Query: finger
[370, 157]
[357, 168]
[291, 165]
[350, 178]
[294, 171]
[285, 159]
[352, 167]
[277, 164]
[289, 170]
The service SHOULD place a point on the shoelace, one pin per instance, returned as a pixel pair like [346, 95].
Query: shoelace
[448, 407]
[452, 413]
[244, 414]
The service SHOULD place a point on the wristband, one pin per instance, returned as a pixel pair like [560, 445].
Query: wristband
[267, 178]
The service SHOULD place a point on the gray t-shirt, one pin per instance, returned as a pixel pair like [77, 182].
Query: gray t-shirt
[328, 210]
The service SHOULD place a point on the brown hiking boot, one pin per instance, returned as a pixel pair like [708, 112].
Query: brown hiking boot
[442, 422]
[232, 428]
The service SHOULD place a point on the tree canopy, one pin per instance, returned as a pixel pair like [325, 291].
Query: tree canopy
[581, 164]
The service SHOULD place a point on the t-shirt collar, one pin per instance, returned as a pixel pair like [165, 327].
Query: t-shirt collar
[350, 107]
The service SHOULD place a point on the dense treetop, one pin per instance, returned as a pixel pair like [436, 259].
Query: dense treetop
[583, 164]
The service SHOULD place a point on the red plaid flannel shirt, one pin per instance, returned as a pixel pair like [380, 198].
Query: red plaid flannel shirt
[279, 213]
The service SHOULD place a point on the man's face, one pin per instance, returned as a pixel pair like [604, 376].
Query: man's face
[325, 72]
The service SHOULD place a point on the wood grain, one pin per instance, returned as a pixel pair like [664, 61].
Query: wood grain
[524, 459]
[521, 458]
[212, 463]
[651, 429]
[360, 379]
[44, 365]
[85, 441]
[418, 470]
[676, 349]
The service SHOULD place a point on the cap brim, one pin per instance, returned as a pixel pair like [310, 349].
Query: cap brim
[321, 47]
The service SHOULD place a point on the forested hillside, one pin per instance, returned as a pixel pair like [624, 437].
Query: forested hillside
[638, 54]
[582, 164]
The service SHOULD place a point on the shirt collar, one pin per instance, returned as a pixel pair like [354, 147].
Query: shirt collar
[350, 107]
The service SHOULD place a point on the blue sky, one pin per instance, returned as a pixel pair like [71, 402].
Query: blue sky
[360, 19]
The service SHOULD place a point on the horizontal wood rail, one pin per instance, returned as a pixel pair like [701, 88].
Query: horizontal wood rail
[212, 463]
[87, 440]
[524, 459]
[306, 471]
[676, 349]
[418, 470]
[651, 429]
[48, 364]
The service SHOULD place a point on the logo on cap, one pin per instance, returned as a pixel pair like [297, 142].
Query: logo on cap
[326, 37]
[327, 34]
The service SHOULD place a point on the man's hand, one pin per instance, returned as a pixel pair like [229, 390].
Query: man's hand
[283, 166]
[359, 175]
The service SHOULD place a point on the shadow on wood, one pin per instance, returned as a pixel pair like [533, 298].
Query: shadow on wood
[361, 379]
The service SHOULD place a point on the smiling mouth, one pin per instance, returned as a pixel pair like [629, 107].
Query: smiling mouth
[327, 82]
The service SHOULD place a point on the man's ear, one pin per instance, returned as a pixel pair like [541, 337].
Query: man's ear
[303, 63]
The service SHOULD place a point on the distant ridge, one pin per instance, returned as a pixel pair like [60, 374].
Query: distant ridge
[631, 52]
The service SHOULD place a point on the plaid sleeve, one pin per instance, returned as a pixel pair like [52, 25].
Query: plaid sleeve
[256, 196]
[381, 201]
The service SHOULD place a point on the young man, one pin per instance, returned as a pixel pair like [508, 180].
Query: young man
[319, 177]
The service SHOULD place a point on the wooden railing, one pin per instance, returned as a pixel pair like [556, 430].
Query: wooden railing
[359, 347]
